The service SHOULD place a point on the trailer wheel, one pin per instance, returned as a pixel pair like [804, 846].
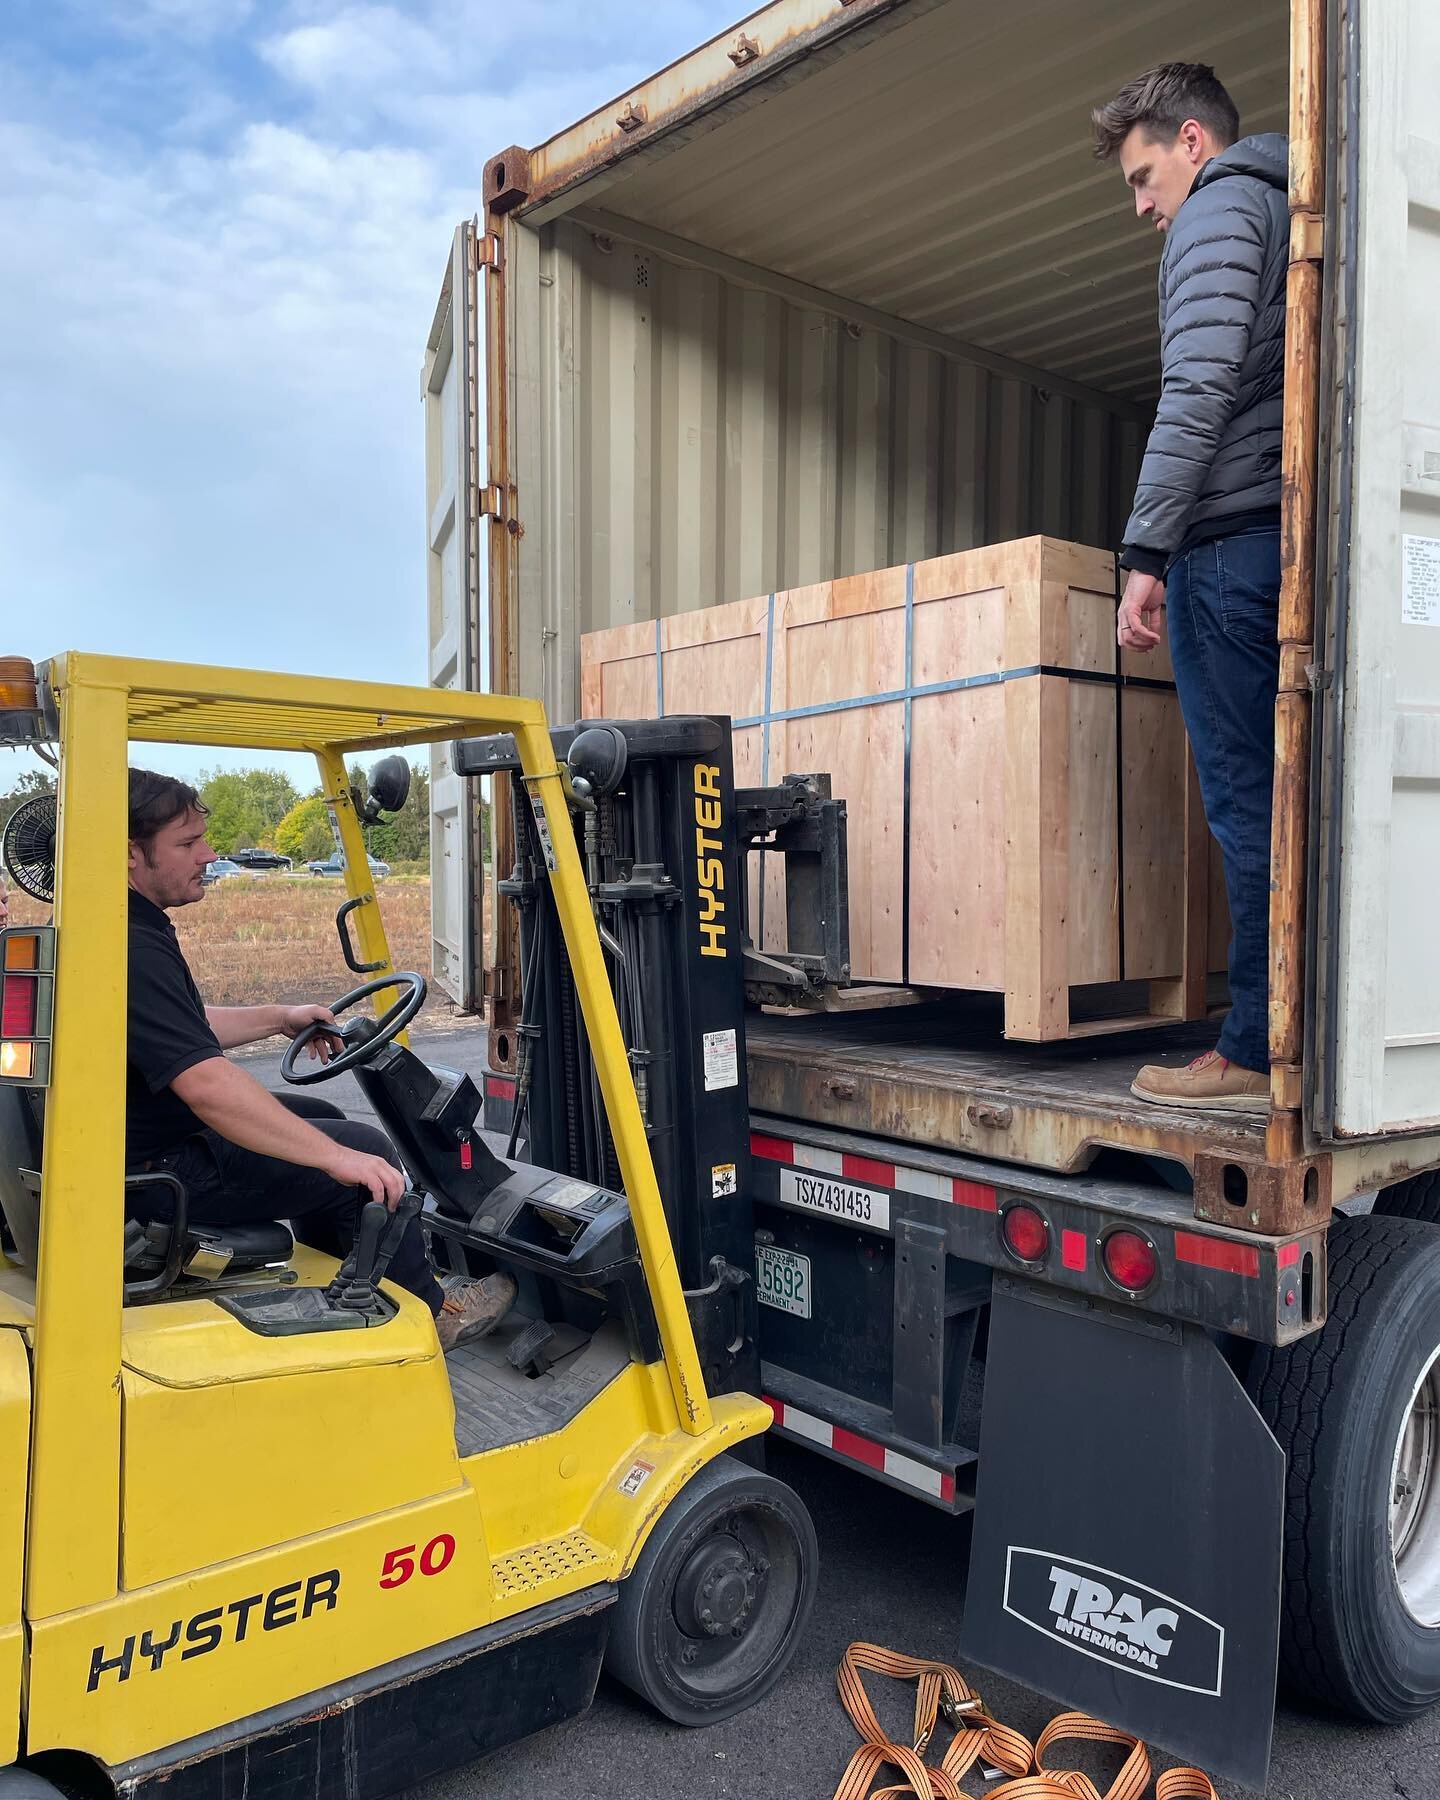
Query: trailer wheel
[1356, 1409]
[710, 1616]
[1417, 1197]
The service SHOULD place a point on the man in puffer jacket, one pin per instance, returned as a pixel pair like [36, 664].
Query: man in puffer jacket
[1203, 541]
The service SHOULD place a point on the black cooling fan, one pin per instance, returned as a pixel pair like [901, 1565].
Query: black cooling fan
[28, 847]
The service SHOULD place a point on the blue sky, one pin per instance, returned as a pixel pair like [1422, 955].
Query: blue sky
[225, 224]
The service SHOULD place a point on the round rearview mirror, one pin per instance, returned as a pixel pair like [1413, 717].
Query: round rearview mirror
[390, 783]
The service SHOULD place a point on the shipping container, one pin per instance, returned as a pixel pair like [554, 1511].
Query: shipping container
[844, 289]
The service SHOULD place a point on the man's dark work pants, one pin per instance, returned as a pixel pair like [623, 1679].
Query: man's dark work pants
[230, 1186]
[1222, 600]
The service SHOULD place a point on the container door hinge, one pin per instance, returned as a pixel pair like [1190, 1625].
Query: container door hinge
[491, 504]
[487, 251]
[1307, 237]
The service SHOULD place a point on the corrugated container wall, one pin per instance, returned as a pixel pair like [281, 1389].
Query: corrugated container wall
[705, 441]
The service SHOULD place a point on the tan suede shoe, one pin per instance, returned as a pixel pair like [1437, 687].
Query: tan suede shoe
[1210, 1082]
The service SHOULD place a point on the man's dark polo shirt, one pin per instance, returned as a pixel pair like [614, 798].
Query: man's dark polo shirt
[167, 1034]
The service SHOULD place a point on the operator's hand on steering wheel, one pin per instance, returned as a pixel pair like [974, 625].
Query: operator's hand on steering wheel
[357, 1168]
[1137, 624]
[294, 1019]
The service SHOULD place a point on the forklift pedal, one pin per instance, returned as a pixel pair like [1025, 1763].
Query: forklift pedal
[533, 1351]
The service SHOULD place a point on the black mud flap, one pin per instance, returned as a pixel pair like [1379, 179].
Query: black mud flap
[1128, 1521]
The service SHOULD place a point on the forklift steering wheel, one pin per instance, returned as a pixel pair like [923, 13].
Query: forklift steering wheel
[364, 1038]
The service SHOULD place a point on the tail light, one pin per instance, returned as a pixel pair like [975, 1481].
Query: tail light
[1130, 1261]
[27, 1004]
[1026, 1235]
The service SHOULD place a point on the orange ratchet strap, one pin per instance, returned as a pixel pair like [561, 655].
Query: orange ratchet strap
[943, 1693]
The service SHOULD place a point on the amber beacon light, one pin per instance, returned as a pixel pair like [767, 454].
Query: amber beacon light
[19, 691]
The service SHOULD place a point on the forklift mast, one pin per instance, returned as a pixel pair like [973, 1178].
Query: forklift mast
[655, 820]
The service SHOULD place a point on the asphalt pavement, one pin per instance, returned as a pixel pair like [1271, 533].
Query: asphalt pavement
[892, 1572]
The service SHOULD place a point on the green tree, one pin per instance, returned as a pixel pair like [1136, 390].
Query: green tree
[27, 786]
[245, 805]
[304, 833]
[317, 843]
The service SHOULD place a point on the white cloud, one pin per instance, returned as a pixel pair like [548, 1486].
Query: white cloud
[361, 49]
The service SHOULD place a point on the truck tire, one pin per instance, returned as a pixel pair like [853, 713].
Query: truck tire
[1417, 1197]
[1356, 1409]
[711, 1614]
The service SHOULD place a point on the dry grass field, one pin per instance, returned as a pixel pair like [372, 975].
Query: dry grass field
[263, 938]
[254, 939]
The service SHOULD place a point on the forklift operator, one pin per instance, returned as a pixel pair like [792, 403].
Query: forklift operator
[242, 1153]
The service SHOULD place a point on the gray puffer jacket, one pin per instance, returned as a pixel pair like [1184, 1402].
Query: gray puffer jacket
[1214, 449]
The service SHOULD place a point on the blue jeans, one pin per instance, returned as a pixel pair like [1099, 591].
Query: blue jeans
[1222, 599]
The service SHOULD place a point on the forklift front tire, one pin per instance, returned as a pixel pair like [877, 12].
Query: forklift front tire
[711, 1614]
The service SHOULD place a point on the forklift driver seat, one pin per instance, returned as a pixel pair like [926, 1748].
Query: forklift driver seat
[210, 1251]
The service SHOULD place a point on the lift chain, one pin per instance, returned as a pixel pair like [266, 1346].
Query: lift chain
[942, 1692]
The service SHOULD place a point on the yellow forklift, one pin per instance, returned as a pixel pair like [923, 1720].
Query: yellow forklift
[257, 1534]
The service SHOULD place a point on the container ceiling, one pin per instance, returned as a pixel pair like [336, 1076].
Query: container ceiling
[942, 173]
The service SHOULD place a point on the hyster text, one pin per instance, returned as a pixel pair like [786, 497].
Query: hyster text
[709, 867]
[206, 1631]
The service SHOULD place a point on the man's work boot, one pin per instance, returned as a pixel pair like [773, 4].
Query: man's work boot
[1210, 1082]
[471, 1308]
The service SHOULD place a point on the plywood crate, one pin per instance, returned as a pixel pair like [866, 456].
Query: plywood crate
[1023, 817]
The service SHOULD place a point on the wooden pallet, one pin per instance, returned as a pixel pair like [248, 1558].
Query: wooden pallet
[1023, 816]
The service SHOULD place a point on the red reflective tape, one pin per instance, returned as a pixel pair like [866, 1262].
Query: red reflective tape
[865, 1168]
[1287, 1254]
[777, 1407]
[1074, 1250]
[773, 1149]
[499, 1087]
[1217, 1253]
[859, 1449]
[973, 1193]
[947, 1488]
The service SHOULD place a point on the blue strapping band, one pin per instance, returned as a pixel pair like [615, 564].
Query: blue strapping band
[767, 717]
[927, 688]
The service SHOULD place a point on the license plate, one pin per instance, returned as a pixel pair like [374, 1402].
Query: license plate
[836, 1199]
[782, 1280]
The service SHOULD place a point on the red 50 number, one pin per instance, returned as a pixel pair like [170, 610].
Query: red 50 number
[399, 1565]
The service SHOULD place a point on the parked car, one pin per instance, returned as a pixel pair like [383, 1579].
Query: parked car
[220, 870]
[256, 860]
[335, 865]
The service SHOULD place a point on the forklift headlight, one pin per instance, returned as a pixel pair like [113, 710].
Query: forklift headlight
[27, 1004]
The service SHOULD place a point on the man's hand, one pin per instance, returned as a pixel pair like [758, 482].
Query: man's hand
[356, 1168]
[294, 1019]
[1137, 624]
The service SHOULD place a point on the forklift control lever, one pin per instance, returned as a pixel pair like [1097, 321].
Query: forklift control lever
[356, 1285]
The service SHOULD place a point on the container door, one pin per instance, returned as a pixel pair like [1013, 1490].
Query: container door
[457, 607]
[1378, 828]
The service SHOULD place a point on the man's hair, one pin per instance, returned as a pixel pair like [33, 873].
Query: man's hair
[1161, 100]
[154, 801]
